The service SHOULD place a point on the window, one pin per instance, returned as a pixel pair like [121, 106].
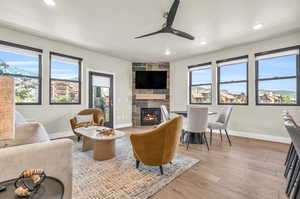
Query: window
[200, 84]
[277, 77]
[65, 79]
[233, 81]
[24, 64]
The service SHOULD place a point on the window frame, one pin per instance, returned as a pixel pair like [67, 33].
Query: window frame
[208, 84]
[65, 80]
[297, 77]
[233, 82]
[39, 77]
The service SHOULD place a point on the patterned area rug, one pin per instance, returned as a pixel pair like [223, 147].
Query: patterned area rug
[118, 178]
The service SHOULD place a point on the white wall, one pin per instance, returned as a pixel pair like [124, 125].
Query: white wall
[56, 117]
[261, 121]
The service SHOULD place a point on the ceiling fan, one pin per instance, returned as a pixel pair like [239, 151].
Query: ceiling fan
[167, 27]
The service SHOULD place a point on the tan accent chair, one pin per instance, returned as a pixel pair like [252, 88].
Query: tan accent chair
[98, 119]
[157, 147]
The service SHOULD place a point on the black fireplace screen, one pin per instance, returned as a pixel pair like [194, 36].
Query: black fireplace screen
[150, 116]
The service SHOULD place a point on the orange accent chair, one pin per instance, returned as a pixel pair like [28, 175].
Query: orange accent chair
[157, 146]
[98, 119]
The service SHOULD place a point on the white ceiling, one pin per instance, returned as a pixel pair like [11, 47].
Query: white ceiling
[109, 26]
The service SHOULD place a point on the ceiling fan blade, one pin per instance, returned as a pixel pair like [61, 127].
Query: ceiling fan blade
[182, 34]
[172, 13]
[150, 34]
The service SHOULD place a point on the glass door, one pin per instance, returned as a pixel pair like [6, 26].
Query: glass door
[101, 95]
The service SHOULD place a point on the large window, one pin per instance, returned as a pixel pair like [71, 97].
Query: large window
[200, 84]
[24, 64]
[65, 79]
[233, 81]
[277, 77]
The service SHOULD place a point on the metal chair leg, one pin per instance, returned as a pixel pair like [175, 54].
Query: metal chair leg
[204, 135]
[293, 176]
[288, 166]
[289, 154]
[161, 170]
[188, 141]
[210, 137]
[296, 189]
[137, 164]
[221, 135]
[228, 137]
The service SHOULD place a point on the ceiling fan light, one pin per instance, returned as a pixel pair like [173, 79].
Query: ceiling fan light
[168, 52]
[50, 2]
[258, 26]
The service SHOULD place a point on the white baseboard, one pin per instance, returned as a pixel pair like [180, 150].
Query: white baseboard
[123, 125]
[258, 136]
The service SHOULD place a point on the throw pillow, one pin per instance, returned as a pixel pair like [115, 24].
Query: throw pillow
[85, 119]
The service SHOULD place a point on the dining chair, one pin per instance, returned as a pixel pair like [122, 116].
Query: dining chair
[221, 123]
[196, 122]
[164, 113]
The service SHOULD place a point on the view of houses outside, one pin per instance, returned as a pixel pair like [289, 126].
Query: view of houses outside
[233, 83]
[64, 92]
[278, 91]
[233, 93]
[25, 70]
[201, 94]
[201, 85]
[64, 82]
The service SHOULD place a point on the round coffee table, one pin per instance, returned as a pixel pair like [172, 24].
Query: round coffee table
[103, 145]
[51, 188]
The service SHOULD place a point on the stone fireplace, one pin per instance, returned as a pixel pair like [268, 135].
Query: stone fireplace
[146, 102]
[150, 116]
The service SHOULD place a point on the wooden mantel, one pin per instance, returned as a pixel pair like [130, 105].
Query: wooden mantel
[150, 96]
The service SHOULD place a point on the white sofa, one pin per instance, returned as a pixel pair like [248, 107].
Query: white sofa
[32, 149]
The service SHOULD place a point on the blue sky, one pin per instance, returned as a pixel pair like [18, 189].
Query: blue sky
[268, 68]
[60, 70]
[281, 66]
[64, 70]
[23, 62]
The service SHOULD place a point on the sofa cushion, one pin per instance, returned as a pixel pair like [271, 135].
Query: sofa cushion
[85, 119]
[29, 133]
[19, 118]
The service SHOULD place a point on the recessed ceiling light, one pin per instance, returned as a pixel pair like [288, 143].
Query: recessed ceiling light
[258, 26]
[168, 52]
[50, 2]
[202, 43]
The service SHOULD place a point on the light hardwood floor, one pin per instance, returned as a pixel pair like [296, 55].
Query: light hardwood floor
[249, 169]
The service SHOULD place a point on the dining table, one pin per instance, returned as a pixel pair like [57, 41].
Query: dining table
[195, 138]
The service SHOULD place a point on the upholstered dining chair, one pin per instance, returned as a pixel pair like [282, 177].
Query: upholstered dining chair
[165, 116]
[98, 117]
[196, 122]
[221, 123]
[157, 146]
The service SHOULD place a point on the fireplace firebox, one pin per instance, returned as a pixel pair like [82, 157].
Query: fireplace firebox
[150, 116]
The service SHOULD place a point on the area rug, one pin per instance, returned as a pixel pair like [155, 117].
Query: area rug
[118, 178]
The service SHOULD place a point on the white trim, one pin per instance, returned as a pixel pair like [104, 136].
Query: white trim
[238, 61]
[16, 50]
[123, 125]
[65, 59]
[258, 136]
[200, 67]
[114, 89]
[279, 54]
